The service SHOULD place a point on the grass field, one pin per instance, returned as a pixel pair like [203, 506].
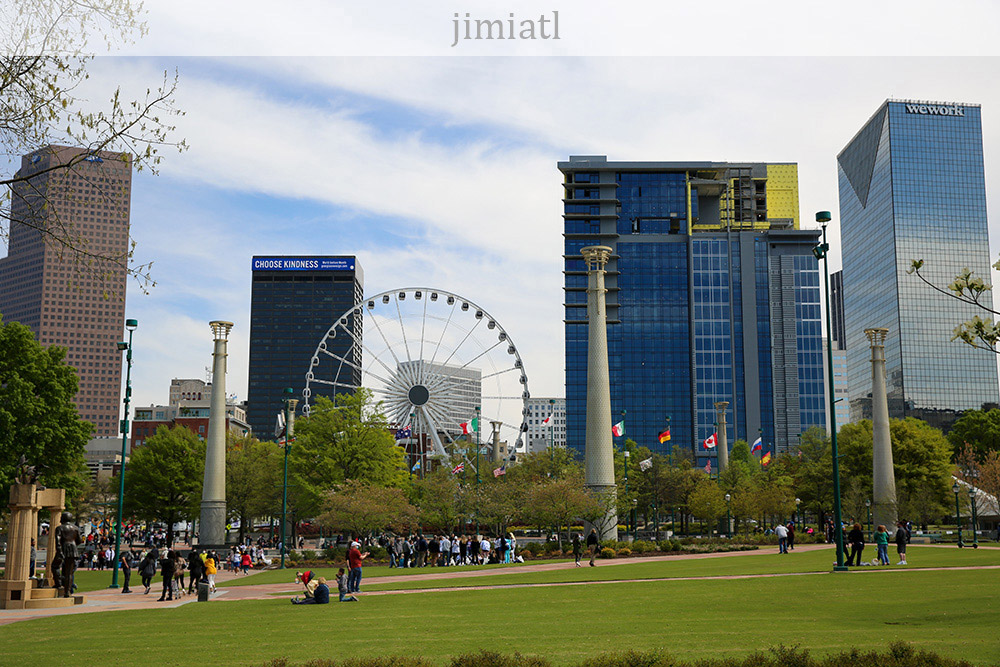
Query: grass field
[954, 612]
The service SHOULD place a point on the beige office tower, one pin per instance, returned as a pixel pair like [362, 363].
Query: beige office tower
[53, 290]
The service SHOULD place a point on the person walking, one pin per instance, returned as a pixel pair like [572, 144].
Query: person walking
[901, 538]
[178, 574]
[856, 538]
[167, 564]
[354, 559]
[882, 544]
[126, 564]
[577, 549]
[147, 569]
[593, 544]
[196, 569]
[210, 571]
[791, 535]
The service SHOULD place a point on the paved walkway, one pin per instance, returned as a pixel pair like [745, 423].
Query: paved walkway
[113, 600]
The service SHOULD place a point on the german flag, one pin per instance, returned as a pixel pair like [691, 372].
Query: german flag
[665, 436]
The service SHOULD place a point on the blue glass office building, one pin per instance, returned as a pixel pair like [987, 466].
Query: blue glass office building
[912, 186]
[294, 301]
[713, 295]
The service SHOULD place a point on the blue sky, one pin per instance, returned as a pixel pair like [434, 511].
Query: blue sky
[441, 172]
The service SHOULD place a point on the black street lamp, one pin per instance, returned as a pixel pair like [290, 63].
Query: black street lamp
[729, 523]
[798, 515]
[972, 504]
[868, 504]
[284, 485]
[821, 252]
[127, 349]
[958, 515]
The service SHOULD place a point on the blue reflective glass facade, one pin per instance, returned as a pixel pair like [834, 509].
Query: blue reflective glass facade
[693, 317]
[912, 186]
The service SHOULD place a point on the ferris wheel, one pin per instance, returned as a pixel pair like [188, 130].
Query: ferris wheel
[434, 359]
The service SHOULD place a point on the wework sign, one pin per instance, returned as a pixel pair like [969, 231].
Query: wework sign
[935, 110]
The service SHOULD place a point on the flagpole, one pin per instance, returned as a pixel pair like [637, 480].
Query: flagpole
[625, 448]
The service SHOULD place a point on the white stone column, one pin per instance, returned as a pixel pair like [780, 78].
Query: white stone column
[599, 454]
[722, 446]
[496, 441]
[213, 495]
[883, 476]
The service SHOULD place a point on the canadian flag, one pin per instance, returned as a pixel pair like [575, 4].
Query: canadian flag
[547, 421]
[710, 442]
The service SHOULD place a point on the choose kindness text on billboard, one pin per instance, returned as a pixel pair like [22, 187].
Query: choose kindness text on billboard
[303, 263]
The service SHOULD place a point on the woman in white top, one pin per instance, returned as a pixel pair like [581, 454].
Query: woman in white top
[484, 547]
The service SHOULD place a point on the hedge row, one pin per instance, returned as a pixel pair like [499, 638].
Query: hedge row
[898, 655]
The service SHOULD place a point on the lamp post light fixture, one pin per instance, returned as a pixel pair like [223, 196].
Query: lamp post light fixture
[868, 504]
[289, 409]
[125, 347]
[972, 505]
[958, 514]
[821, 252]
[729, 523]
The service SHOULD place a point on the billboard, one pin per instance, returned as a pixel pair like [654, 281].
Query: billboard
[303, 263]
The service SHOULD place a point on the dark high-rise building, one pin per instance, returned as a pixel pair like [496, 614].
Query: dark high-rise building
[912, 187]
[294, 302]
[837, 310]
[65, 300]
[713, 295]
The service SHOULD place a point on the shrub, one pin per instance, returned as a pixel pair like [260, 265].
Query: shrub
[607, 552]
[294, 556]
[623, 553]
[493, 659]
[642, 546]
[551, 548]
[308, 554]
[631, 658]
[378, 553]
[534, 548]
[334, 554]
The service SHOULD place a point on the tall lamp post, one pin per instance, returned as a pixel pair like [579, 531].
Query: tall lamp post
[729, 521]
[127, 349]
[552, 435]
[624, 447]
[958, 515]
[972, 505]
[821, 252]
[798, 514]
[289, 410]
[868, 505]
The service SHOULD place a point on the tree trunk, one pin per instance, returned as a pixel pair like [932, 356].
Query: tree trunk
[170, 531]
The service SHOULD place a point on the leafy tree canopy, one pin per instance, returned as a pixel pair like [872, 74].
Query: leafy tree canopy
[979, 428]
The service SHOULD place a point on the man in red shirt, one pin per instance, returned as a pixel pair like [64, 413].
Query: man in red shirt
[354, 558]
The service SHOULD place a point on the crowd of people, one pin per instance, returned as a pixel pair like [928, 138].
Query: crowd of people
[855, 539]
[449, 550]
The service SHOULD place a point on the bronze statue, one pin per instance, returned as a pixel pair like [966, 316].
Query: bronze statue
[25, 474]
[66, 538]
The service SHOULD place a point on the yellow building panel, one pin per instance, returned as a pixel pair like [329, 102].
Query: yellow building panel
[783, 193]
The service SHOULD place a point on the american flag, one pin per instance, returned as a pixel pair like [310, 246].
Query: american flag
[502, 470]
[708, 467]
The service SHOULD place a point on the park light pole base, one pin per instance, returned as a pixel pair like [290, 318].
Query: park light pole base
[841, 568]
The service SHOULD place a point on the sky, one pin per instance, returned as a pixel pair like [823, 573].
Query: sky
[437, 166]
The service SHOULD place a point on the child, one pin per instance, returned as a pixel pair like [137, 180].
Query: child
[342, 587]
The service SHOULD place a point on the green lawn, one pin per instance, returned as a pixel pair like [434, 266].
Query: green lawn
[953, 612]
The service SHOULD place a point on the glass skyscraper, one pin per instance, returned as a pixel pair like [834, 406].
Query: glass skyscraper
[912, 187]
[294, 301]
[713, 295]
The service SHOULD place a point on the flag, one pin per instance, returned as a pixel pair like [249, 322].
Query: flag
[766, 459]
[756, 446]
[710, 442]
[281, 441]
[664, 436]
[404, 433]
[279, 425]
[502, 470]
[708, 467]
[470, 427]
[547, 421]
[618, 429]
[457, 469]
[416, 466]
[647, 464]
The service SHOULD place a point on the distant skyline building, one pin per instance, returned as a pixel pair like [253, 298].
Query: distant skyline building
[294, 301]
[458, 390]
[539, 435]
[912, 186]
[63, 302]
[713, 295]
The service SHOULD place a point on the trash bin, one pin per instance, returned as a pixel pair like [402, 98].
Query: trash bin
[202, 591]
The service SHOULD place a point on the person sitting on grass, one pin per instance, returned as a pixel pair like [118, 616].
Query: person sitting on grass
[320, 596]
[345, 596]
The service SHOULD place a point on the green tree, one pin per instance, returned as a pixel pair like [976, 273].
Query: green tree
[436, 498]
[559, 503]
[348, 438]
[46, 53]
[921, 457]
[253, 478]
[979, 428]
[163, 478]
[813, 471]
[366, 507]
[967, 287]
[708, 502]
[37, 417]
